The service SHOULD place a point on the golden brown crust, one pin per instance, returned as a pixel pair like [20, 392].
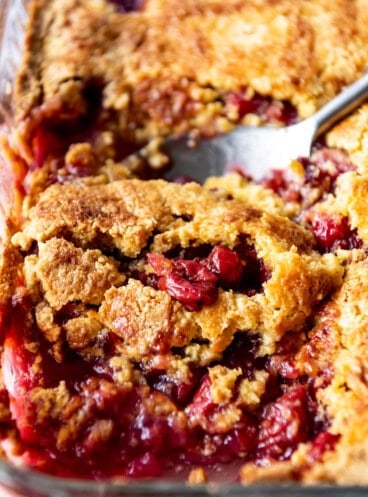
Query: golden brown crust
[66, 273]
[345, 397]
[352, 135]
[158, 85]
[132, 216]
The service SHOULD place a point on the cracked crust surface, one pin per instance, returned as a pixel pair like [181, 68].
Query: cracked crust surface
[133, 216]
[167, 66]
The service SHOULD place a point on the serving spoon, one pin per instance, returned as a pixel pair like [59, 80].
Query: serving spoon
[257, 150]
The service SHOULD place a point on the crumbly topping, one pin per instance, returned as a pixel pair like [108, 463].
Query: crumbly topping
[235, 186]
[352, 135]
[251, 391]
[154, 83]
[222, 383]
[67, 274]
[133, 216]
[146, 320]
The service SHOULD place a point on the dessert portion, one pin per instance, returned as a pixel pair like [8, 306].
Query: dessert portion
[171, 329]
[151, 330]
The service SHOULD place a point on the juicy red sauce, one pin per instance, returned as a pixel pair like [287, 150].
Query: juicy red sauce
[323, 442]
[241, 353]
[128, 5]
[180, 392]
[284, 424]
[144, 443]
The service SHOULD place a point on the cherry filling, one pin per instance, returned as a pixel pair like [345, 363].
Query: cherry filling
[323, 442]
[284, 423]
[195, 282]
[207, 444]
[333, 232]
[53, 127]
[180, 392]
[320, 173]
[95, 428]
[267, 108]
[91, 427]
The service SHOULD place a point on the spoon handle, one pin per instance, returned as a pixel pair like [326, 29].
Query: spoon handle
[340, 106]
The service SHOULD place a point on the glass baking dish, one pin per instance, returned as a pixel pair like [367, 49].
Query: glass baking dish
[17, 481]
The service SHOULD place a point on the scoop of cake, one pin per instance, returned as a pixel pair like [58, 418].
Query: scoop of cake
[148, 305]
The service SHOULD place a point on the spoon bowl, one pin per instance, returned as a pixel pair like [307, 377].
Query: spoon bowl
[256, 150]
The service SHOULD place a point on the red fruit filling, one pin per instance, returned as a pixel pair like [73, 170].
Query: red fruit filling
[189, 282]
[209, 449]
[320, 175]
[242, 353]
[334, 232]
[323, 442]
[180, 392]
[284, 423]
[268, 109]
[195, 282]
[116, 431]
[145, 430]
[207, 443]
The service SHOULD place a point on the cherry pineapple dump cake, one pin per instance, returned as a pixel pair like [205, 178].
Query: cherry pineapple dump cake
[159, 329]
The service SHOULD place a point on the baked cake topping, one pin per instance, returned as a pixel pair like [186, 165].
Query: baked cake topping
[165, 298]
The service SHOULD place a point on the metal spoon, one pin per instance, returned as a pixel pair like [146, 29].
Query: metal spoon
[256, 150]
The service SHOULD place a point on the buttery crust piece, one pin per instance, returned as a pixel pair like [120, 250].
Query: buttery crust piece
[168, 67]
[352, 135]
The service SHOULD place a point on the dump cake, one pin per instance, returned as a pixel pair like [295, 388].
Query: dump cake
[171, 329]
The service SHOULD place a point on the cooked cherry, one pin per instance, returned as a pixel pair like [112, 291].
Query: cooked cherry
[178, 391]
[320, 175]
[189, 282]
[284, 424]
[323, 442]
[194, 282]
[227, 265]
[209, 449]
[254, 272]
[269, 110]
[202, 406]
[333, 232]
[241, 353]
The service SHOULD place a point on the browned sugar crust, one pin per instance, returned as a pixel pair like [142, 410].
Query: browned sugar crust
[77, 227]
[167, 67]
